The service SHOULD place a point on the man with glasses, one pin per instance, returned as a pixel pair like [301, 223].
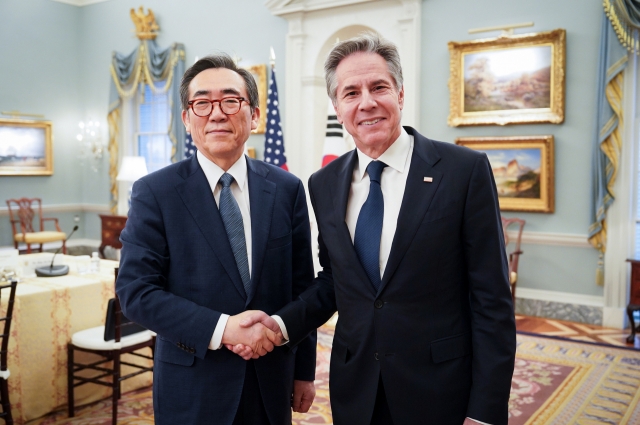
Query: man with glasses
[206, 240]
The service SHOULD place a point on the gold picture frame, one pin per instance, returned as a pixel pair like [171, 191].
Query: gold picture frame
[514, 79]
[523, 168]
[25, 148]
[259, 72]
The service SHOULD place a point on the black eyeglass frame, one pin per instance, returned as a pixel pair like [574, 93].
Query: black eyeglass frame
[241, 99]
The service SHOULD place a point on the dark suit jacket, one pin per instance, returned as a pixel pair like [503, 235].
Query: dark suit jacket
[440, 331]
[178, 274]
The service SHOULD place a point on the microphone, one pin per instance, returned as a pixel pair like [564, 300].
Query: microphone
[52, 270]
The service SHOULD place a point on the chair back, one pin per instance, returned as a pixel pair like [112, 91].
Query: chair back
[513, 255]
[22, 211]
[4, 347]
[116, 325]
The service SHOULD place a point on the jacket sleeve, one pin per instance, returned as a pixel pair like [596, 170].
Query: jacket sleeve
[142, 279]
[492, 316]
[313, 307]
[305, 369]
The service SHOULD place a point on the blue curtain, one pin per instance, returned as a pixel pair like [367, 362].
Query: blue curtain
[147, 64]
[607, 135]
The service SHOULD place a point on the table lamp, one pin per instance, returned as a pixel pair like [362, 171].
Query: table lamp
[131, 169]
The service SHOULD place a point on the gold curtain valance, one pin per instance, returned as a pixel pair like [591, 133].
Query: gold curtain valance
[627, 27]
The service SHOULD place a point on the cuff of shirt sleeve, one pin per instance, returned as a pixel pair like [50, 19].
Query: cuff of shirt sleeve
[216, 339]
[477, 421]
[283, 328]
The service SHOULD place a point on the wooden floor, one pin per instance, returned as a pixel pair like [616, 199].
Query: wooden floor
[576, 331]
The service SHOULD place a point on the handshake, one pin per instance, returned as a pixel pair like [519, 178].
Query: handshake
[252, 334]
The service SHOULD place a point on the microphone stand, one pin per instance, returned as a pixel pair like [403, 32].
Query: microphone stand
[52, 270]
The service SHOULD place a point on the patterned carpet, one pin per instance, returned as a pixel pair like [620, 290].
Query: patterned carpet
[556, 382]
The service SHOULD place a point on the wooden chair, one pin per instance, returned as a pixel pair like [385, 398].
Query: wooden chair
[513, 255]
[22, 213]
[4, 371]
[119, 336]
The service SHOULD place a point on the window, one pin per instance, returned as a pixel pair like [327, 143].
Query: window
[152, 137]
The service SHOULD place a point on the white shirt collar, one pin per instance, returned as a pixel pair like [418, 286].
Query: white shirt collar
[213, 173]
[395, 156]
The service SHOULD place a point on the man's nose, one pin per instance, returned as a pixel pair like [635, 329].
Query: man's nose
[367, 101]
[216, 113]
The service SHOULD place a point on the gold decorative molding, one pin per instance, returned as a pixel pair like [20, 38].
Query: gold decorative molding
[146, 26]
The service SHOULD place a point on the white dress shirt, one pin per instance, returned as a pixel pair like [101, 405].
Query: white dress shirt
[240, 191]
[393, 182]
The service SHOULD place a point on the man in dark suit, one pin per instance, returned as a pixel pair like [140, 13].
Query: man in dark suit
[413, 260]
[207, 239]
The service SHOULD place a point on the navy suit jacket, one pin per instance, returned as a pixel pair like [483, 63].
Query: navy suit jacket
[440, 331]
[178, 274]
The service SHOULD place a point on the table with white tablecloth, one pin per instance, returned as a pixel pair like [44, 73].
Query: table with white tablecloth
[47, 311]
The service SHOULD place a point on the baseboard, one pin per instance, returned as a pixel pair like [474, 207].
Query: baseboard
[560, 297]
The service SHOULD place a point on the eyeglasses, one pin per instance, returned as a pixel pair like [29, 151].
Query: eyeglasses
[228, 105]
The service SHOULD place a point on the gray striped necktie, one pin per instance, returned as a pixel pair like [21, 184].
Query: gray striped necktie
[232, 219]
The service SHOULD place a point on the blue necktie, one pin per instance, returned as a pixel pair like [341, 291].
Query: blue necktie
[369, 226]
[232, 220]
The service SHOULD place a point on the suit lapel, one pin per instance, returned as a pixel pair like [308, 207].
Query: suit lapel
[340, 187]
[262, 193]
[416, 200]
[207, 217]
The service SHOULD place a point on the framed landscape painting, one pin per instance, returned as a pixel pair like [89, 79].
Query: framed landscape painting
[25, 148]
[513, 79]
[259, 73]
[523, 168]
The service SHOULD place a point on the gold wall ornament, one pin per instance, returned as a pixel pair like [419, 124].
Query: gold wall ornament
[146, 26]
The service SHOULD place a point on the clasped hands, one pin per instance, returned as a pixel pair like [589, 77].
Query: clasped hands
[252, 334]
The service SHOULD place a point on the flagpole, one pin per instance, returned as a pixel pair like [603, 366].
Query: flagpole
[272, 59]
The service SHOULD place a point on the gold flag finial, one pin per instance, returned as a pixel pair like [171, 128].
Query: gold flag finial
[146, 26]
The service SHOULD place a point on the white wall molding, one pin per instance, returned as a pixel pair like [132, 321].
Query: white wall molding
[560, 297]
[553, 239]
[314, 26]
[80, 3]
[63, 208]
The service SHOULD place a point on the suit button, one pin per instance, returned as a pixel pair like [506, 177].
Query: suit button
[375, 355]
[378, 304]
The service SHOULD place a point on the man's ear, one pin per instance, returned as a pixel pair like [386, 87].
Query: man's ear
[186, 121]
[335, 108]
[255, 118]
[401, 98]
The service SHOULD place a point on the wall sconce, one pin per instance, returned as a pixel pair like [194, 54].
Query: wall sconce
[91, 146]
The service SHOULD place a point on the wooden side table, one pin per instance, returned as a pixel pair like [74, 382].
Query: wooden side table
[112, 226]
[634, 297]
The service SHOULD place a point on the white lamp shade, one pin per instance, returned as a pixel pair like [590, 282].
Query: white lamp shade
[132, 168]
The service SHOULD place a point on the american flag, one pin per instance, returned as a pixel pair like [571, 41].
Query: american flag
[189, 146]
[334, 143]
[274, 139]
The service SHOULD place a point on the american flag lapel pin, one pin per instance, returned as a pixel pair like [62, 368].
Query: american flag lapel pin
[428, 179]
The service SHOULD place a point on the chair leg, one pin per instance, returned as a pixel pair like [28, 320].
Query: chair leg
[64, 247]
[70, 401]
[6, 405]
[28, 248]
[116, 388]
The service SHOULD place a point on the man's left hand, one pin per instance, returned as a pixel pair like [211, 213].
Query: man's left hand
[303, 394]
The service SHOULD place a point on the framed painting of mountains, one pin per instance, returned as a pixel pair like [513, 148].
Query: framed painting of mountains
[522, 168]
[514, 79]
[25, 148]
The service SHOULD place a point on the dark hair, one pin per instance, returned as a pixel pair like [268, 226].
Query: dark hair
[366, 43]
[220, 60]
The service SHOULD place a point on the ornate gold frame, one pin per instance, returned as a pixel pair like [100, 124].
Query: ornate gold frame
[27, 170]
[554, 114]
[546, 202]
[259, 72]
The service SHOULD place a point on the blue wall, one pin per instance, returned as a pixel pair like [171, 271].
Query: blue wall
[55, 61]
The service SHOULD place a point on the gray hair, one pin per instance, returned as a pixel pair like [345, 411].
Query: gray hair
[366, 43]
[220, 60]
